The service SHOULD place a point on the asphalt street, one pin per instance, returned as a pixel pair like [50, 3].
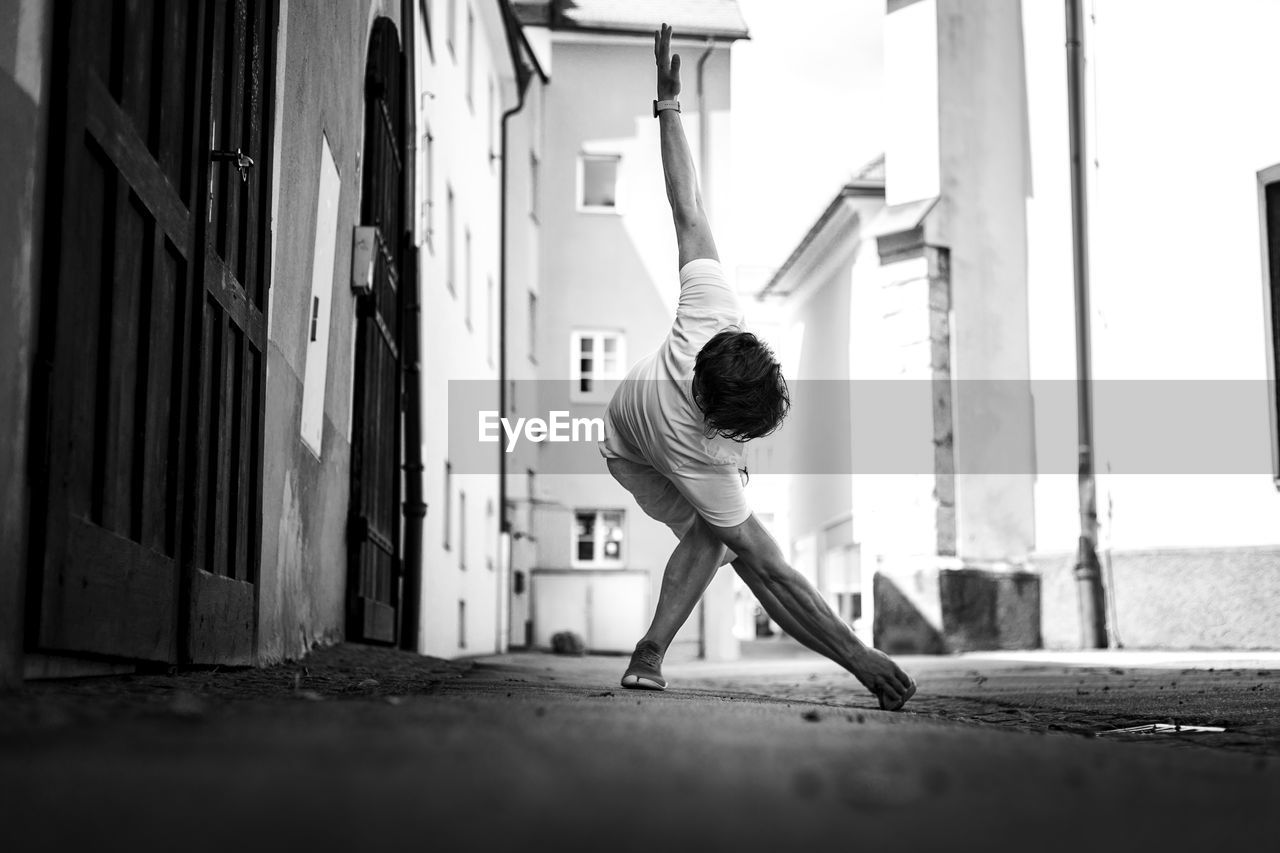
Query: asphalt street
[356, 748]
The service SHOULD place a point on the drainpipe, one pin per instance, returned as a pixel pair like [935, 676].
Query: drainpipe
[504, 519]
[704, 159]
[415, 508]
[1088, 572]
[704, 127]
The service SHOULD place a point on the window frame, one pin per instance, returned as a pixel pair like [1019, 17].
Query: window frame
[471, 59]
[582, 207]
[601, 388]
[451, 260]
[448, 505]
[535, 167]
[598, 561]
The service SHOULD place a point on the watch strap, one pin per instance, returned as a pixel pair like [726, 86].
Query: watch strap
[659, 106]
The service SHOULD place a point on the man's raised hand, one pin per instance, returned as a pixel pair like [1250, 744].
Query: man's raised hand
[668, 65]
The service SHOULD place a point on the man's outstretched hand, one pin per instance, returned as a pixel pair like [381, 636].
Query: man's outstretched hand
[668, 65]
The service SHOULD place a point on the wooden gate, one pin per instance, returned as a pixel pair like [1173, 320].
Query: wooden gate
[374, 530]
[153, 330]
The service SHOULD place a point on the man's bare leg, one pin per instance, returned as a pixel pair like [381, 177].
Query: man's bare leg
[779, 614]
[688, 573]
[792, 601]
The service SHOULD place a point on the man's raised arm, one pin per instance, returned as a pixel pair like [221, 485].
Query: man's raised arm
[693, 234]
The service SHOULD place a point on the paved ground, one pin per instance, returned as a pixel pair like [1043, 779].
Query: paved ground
[364, 748]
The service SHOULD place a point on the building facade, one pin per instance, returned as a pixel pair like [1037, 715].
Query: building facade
[474, 67]
[607, 263]
[962, 478]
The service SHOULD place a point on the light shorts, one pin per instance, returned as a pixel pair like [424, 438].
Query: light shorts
[657, 496]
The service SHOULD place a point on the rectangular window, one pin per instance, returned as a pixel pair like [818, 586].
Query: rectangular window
[451, 26]
[451, 261]
[1269, 210]
[595, 357]
[466, 276]
[424, 13]
[462, 531]
[490, 312]
[471, 59]
[598, 182]
[428, 185]
[533, 327]
[493, 123]
[447, 502]
[533, 186]
[598, 537]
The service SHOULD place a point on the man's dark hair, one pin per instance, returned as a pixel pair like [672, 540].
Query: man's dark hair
[738, 385]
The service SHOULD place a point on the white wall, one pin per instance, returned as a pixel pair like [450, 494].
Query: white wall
[1178, 132]
[453, 349]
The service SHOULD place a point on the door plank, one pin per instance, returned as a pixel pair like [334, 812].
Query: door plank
[111, 596]
[114, 131]
[222, 627]
[118, 369]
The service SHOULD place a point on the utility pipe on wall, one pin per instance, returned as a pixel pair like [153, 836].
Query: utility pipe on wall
[504, 518]
[415, 508]
[1088, 571]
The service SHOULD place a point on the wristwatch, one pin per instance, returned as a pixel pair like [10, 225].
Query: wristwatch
[659, 106]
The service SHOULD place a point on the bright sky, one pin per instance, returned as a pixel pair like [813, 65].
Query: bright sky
[807, 113]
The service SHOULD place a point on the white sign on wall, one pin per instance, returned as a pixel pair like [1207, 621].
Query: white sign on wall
[317, 325]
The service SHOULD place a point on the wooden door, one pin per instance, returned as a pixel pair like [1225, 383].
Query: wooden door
[225, 489]
[374, 529]
[149, 339]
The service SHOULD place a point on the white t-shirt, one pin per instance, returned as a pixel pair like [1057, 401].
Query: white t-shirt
[652, 419]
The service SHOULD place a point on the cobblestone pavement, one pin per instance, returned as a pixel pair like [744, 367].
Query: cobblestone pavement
[338, 672]
[359, 746]
[1034, 696]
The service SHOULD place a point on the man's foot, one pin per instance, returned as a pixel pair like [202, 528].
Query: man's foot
[645, 671]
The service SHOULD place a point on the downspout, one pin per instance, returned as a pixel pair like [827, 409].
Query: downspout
[504, 520]
[415, 509]
[704, 127]
[704, 148]
[1088, 572]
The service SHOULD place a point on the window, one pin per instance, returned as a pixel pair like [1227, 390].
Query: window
[451, 262]
[488, 320]
[451, 26]
[462, 624]
[598, 182]
[1269, 210]
[597, 537]
[595, 357]
[533, 186]
[428, 184]
[462, 531]
[533, 327]
[493, 107]
[424, 13]
[471, 59]
[448, 502]
[466, 277]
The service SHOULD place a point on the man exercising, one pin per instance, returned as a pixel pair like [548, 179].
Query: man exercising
[674, 434]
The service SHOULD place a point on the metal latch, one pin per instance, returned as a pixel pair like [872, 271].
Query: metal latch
[242, 161]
